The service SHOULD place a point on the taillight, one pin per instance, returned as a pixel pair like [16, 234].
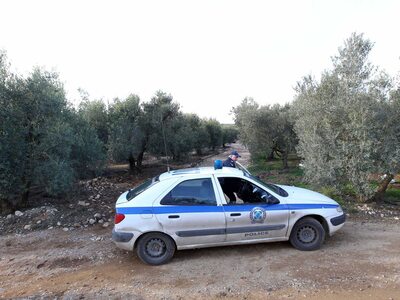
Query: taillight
[118, 218]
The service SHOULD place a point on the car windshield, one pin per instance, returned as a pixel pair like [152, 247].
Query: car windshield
[141, 188]
[276, 189]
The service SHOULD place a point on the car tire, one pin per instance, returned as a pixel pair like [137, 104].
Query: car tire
[155, 248]
[307, 234]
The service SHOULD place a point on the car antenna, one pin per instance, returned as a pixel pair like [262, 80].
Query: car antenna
[165, 144]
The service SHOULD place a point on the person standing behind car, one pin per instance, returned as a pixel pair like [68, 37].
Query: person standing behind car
[231, 160]
[229, 185]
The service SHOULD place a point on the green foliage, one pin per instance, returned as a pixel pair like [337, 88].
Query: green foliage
[214, 130]
[229, 135]
[392, 196]
[127, 140]
[346, 122]
[96, 115]
[266, 130]
[41, 144]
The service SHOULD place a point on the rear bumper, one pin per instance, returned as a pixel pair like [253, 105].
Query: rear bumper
[121, 237]
[336, 221]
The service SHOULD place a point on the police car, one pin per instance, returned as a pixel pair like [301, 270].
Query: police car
[206, 207]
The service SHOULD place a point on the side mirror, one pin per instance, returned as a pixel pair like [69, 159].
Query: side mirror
[272, 200]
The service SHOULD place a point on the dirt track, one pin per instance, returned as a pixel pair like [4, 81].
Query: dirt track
[362, 261]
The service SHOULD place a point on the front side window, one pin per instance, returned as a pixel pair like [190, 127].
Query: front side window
[191, 192]
[240, 191]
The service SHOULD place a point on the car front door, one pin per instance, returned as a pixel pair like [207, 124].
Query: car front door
[253, 216]
[191, 214]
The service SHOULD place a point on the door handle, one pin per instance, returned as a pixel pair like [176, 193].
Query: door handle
[173, 216]
[235, 214]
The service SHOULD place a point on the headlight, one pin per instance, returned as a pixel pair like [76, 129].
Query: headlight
[339, 209]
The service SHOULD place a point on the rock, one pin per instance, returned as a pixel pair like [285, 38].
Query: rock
[19, 213]
[396, 218]
[83, 203]
[97, 216]
[106, 224]
[101, 221]
[65, 229]
[27, 227]
[77, 225]
[92, 221]
[51, 227]
[10, 216]
[39, 221]
[58, 223]
[98, 196]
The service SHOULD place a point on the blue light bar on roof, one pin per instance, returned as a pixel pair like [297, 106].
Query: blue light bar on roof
[218, 164]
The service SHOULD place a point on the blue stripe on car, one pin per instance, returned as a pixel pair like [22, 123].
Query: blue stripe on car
[211, 208]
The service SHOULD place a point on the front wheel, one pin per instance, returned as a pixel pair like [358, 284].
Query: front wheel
[307, 235]
[155, 248]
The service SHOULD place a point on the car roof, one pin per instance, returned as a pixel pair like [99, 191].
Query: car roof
[201, 171]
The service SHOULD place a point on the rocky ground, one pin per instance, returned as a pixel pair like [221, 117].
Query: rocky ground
[63, 250]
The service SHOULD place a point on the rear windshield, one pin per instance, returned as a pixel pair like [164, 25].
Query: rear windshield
[276, 189]
[141, 188]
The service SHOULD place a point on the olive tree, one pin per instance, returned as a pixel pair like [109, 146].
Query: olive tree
[127, 140]
[265, 130]
[95, 113]
[342, 122]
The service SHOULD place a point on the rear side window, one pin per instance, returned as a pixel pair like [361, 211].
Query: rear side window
[191, 192]
[141, 188]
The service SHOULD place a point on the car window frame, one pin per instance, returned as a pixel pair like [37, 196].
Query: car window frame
[217, 200]
[248, 179]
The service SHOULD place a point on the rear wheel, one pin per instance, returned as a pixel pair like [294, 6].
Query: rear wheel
[155, 248]
[307, 234]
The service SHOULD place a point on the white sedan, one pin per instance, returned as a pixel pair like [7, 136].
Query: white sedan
[206, 207]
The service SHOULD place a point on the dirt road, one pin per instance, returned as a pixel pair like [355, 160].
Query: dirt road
[362, 261]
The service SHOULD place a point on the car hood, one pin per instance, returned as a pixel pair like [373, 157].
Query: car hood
[300, 195]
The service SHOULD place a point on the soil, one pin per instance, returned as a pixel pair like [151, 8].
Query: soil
[74, 261]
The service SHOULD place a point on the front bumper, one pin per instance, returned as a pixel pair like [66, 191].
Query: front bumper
[336, 221]
[121, 237]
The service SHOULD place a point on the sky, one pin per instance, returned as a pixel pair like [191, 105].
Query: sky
[209, 55]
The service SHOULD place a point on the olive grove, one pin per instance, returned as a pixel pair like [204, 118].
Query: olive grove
[46, 145]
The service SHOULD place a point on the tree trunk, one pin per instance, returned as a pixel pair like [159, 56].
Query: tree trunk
[140, 161]
[285, 160]
[132, 164]
[271, 155]
[380, 193]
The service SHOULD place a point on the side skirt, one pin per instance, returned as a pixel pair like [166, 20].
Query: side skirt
[255, 241]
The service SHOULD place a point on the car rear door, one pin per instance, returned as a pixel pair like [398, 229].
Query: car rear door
[253, 218]
[191, 212]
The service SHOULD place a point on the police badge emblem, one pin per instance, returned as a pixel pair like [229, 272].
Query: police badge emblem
[258, 215]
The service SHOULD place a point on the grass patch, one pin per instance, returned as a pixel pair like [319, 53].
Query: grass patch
[272, 171]
[392, 195]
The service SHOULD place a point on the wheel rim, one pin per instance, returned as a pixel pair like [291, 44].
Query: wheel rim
[155, 247]
[306, 234]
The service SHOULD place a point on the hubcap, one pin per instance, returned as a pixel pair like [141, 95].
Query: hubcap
[155, 247]
[306, 234]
